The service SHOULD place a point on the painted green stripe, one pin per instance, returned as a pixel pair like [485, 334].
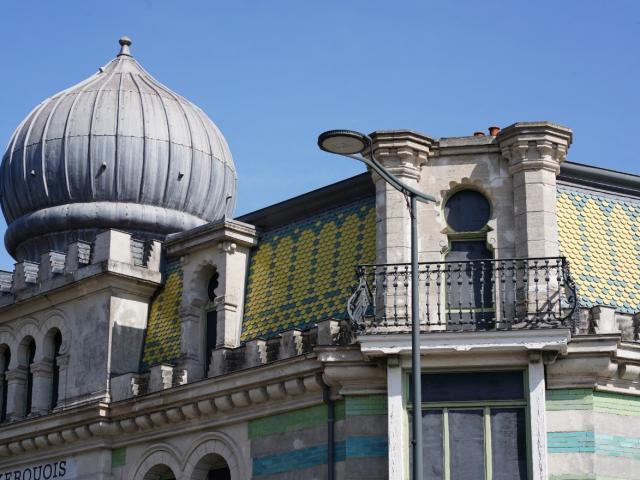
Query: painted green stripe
[352, 447]
[587, 399]
[570, 399]
[317, 415]
[366, 405]
[118, 457]
[289, 421]
[296, 420]
[617, 404]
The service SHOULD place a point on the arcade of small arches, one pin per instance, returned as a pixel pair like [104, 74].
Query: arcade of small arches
[30, 370]
[213, 459]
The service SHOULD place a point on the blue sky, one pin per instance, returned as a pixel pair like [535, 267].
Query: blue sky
[273, 74]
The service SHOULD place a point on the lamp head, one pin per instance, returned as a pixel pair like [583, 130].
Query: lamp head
[343, 142]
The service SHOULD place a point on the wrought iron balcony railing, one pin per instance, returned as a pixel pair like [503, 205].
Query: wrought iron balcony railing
[472, 295]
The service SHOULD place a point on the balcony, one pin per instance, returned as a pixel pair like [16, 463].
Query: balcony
[476, 295]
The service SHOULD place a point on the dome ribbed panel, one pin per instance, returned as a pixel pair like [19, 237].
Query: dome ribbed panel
[119, 136]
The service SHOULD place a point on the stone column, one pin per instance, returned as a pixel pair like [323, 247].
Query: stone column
[16, 392]
[535, 151]
[538, 425]
[191, 341]
[42, 384]
[362, 386]
[403, 153]
[63, 365]
[397, 422]
[229, 303]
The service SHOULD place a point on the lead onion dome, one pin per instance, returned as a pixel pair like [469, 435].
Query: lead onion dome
[118, 150]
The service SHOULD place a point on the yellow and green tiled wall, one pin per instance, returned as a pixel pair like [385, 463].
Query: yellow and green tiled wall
[303, 272]
[162, 342]
[600, 235]
[294, 444]
[618, 410]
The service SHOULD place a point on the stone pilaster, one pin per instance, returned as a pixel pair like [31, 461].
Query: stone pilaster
[191, 340]
[63, 365]
[535, 151]
[42, 384]
[221, 248]
[16, 392]
[362, 387]
[403, 153]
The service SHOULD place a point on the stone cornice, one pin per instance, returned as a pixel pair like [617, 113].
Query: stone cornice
[96, 278]
[224, 231]
[234, 397]
[601, 362]
[380, 345]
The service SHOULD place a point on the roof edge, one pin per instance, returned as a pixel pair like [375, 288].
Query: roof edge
[315, 201]
[359, 186]
[600, 178]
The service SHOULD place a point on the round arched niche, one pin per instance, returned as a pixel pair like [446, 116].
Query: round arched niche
[216, 457]
[159, 472]
[211, 467]
[198, 283]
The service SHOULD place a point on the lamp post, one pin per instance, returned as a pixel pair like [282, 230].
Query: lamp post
[352, 144]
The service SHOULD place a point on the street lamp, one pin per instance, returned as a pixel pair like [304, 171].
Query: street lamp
[351, 144]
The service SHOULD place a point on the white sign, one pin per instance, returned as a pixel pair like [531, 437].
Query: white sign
[58, 470]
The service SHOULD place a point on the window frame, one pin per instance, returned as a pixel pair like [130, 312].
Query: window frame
[454, 235]
[485, 405]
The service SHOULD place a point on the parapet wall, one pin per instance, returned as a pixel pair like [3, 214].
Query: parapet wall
[112, 250]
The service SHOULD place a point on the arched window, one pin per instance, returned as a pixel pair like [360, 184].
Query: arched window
[211, 321]
[5, 360]
[55, 375]
[160, 472]
[469, 274]
[30, 356]
[211, 467]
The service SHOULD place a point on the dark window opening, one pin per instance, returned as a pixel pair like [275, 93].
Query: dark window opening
[474, 426]
[211, 336]
[31, 353]
[470, 285]
[212, 286]
[219, 474]
[6, 360]
[467, 211]
[57, 343]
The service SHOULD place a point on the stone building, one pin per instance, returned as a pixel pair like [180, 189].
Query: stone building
[145, 334]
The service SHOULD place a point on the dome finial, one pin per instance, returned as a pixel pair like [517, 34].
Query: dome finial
[124, 42]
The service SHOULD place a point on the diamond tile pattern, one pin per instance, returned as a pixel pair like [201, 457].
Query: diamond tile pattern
[162, 343]
[303, 272]
[600, 235]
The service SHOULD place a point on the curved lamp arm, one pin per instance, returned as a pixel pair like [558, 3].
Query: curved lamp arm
[351, 144]
[391, 179]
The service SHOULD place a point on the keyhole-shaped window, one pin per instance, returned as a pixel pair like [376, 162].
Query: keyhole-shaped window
[469, 271]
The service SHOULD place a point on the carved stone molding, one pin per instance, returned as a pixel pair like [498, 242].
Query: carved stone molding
[601, 362]
[298, 380]
[535, 146]
[402, 152]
